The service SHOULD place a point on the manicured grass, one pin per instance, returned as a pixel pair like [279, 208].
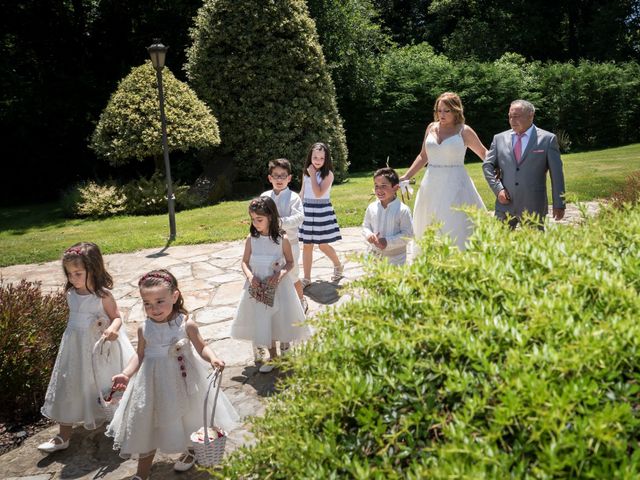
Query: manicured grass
[40, 233]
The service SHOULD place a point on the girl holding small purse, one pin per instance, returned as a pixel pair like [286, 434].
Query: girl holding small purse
[269, 309]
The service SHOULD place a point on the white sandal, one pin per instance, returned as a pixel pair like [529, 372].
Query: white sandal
[338, 273]
[52, 446]
[183, 463]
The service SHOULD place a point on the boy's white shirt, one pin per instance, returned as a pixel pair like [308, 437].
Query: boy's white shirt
[393, 224]
[290, 210]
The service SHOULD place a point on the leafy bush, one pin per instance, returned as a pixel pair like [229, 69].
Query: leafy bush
[148, 196]
[260, 68]
[519, 358]
[138, 197]
[95, 200]
[31, 326]
[629, 193]
[129, 127]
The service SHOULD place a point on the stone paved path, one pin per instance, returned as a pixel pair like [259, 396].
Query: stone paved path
[211, 280]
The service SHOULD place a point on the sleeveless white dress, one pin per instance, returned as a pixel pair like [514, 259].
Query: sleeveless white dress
[72, 395]
[163, 403]
[446, 185]
[260, 323]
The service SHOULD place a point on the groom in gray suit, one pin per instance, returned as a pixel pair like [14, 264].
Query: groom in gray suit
[516, 168]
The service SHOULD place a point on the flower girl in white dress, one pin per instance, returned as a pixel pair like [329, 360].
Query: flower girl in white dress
[163, 404]
[72, 395]
[269, 309]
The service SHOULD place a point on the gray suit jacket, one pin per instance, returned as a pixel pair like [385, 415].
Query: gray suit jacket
[527, 182]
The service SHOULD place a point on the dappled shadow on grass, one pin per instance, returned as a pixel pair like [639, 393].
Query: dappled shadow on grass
[18, 220]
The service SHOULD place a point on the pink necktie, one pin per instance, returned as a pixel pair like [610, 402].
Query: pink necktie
[517, 148]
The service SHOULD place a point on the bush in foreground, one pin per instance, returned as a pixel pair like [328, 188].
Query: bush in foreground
[31, 326]
[516, 359]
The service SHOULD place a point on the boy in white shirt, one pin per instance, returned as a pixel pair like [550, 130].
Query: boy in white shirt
[387, 223]
[291, 214]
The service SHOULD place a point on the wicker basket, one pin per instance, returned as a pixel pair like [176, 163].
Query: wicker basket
[209, 442]
[107, 400]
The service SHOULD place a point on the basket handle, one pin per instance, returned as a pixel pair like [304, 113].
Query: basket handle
[216, 377]
[98, 347]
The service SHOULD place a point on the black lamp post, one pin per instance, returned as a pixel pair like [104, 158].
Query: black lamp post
[158, 53]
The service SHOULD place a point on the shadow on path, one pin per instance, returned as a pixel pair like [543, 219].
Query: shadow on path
[323, 292]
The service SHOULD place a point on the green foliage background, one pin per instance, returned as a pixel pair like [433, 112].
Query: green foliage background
[260, 68]
[518, 358]
[129, 127]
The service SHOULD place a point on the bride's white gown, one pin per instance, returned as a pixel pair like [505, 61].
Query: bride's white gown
[445, 186]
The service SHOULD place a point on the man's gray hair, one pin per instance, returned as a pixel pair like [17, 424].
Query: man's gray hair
[526, 106]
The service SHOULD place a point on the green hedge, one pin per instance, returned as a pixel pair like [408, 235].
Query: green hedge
[31, 327]
[589, 105]
[518, 358]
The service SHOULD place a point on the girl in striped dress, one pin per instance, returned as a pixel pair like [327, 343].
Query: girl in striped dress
[320, 225]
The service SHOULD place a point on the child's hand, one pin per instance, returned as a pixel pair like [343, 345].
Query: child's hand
[274, 279]
[255, 282]
[311, 170]
[217, 363]
[110, 334]
[120, 381]
[373, 238]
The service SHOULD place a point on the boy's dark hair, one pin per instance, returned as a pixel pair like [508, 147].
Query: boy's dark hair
[388, 173]
[267, 207]
[328, 164]
[280, 163]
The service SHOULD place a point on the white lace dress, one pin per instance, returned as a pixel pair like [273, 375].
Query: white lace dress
[163, 403]
[72, 395]
[446, 185]
[262, 324]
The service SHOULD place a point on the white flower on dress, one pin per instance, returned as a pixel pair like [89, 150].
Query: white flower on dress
[99, 325]
[178, 347]
[277, 266]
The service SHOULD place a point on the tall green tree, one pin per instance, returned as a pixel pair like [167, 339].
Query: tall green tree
[259, 66]
[352, 42]
[130, 129]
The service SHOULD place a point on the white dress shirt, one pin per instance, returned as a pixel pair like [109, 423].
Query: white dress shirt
[290, 210]
[394, 225]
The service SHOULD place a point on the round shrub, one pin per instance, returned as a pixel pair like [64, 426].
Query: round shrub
[519, 358]
[260, 68]
[129, 127]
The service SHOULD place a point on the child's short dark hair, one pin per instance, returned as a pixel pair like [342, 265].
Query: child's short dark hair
[388, 173]
[280, 163]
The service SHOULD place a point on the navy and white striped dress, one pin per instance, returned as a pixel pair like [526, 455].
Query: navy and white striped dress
[320, 224]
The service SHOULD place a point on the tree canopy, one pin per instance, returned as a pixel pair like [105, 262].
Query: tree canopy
[260, 68]
[129, 127]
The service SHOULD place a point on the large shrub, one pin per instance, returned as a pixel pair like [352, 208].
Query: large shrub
[519, 358]
[138, 197]
[129, 127]
[260, 68]
[31, 326]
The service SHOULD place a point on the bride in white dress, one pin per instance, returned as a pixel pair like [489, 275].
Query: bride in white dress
[446, 185]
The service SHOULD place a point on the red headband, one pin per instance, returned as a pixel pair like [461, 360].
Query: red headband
[77, 250]
[160, 275]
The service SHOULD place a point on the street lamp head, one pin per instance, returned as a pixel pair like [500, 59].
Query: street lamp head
[158, 53]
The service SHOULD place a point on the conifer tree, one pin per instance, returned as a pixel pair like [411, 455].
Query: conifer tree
[259, 66]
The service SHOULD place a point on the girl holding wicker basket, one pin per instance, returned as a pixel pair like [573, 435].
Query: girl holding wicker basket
[162, 405]
[74, 395]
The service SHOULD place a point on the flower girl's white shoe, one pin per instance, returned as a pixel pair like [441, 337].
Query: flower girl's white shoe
[185, 462]
[53, 446]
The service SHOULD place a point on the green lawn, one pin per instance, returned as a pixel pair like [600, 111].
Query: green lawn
[40, 233]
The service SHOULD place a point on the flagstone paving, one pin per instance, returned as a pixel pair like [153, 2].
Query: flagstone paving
[211, 280]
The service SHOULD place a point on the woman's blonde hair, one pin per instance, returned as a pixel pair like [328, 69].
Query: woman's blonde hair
[451, 101]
